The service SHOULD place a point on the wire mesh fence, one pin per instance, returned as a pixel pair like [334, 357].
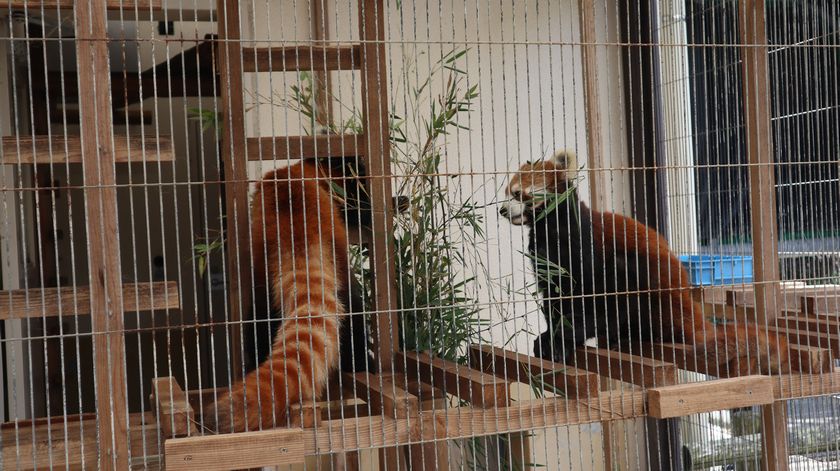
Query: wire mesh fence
[393, 234]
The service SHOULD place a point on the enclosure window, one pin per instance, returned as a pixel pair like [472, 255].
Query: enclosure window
[804, 102]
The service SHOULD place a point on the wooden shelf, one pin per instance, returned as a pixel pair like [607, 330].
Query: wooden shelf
[305, 147]
[59, 149]
[71, 301]
[137, 10]
[295, 58]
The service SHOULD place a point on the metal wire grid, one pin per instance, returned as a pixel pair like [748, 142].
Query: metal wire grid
[526, 61]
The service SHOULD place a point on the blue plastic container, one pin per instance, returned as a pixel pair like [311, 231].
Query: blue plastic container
[709, 270]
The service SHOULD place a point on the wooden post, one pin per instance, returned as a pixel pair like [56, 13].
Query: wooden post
[378, 159]
[104, 271]
[236, 173]
[586, 16]
[377, 133]
[760, 157]
[763, 204]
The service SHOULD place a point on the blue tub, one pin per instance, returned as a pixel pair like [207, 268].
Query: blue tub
[709, 270]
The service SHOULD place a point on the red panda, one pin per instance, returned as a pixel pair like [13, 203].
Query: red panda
[298, 226]
[608, 276]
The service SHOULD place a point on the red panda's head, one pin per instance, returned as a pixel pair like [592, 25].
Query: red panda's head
[527, 189]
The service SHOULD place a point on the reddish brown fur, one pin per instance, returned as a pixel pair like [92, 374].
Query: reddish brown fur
[298, 231]
[735, 349]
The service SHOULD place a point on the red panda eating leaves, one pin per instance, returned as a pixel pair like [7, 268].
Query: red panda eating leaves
[298, 225]
[608, 276]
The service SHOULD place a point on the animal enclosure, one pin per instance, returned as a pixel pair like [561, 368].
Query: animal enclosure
[417, 234]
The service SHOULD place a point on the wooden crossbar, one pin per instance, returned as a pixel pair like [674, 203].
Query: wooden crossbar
[60, 149]
[300, 58]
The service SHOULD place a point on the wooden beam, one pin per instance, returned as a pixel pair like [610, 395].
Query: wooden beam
[462, 381]
[706, 396]
[75, 300]
[820, 305]
[588, 38]
[374, 85]
[233, 150]
[824, 325]
[104, 267]
[757, 116]
[641, 371]
[60, 149]
[52, 5]
[68, 441]
[305, 147]
[237, 450]
[774, 445]
[293, 58]
[174, 413]
[810, 338]
[385, 395]
[510, 366]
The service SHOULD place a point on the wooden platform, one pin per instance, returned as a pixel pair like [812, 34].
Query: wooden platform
[431, 399]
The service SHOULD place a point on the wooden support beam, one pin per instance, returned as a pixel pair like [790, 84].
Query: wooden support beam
[824, 325]
[693, 398]
[385, 395]
[757, 114]
[294, 58]
[820, 305]
[588, 38]
[236, 450]
[52, 5]
[471, 385]
[774, 455]
[305, 147]
[374, 87]
[233, 150]
[103, 254]
[72, 301]
[174, 413]
[67, 441]
[59, 149]
[810, 339]
[510, 366]
[641, 371]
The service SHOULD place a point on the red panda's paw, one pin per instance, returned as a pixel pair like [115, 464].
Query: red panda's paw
[237, 412]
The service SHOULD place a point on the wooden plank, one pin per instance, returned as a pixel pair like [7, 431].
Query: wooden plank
[757, 115]
[293, 58]
[305, 147]
[807, 385]
[384, 394]
[774, 443]
[820, 305]
[52, 5]
[60, 149]
[175, 415]
[825, 325]
[706, 396]
[471, 385]
[375, 107]
[67, 441]
[305, 415]
[233, 149]
[791, 295]
[236, 450]
[103, 254]
[511, 366]
[641, 371]
[810, 360]
[811, 339]
[71, 301]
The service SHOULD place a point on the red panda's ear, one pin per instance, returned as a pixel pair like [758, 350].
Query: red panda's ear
[564, 159]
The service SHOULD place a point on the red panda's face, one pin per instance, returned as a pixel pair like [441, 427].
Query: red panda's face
[527, 189]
